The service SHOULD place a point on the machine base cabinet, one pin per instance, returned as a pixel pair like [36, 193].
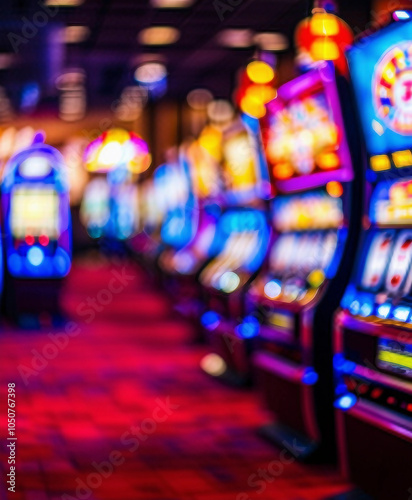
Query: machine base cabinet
[291, 401]
[375, 455]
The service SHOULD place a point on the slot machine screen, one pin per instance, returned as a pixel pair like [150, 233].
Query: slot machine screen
[95, 207]
[308, 224]
[303, 138]
[242, 238]
[204, 171]
[396, 282]
[309, 211]
[385, 100]
[152, 205]
[34, 211]
[35, 166]
[391, 203]
[171, 187]
[239, 162]
[395, 357]
[377, 260]
[303, 133]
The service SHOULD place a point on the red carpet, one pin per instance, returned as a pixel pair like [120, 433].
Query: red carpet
[128, 367]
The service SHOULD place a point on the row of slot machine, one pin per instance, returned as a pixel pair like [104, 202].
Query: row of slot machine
[291, 240]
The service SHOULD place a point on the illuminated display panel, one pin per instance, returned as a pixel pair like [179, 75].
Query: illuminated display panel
[171, 186]
[303, 139]
[303, 133]
[205, 172]
[237, 251]
[239, 161]
[391, 203]
[297, 255]
[34, 211]
[395, 357]
[242, 237]
[125, 211]
[95, 207]
[35, 166]
[377, 260]
[152, 205]
[315, 210]
[282, 254]
[396, 282]
[380, 68]
[388, 263]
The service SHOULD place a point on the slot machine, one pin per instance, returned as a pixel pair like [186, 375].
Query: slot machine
[181, 264]
[179, 223]
[145, 244]
[37, 232]
[157, 202]
[291, 302]
[373, 330]
[241, 239]
[110, 206]
[95, 207]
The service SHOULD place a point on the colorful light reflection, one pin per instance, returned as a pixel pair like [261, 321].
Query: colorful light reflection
[117, 147]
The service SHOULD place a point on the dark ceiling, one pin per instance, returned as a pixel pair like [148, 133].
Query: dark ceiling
[110, 52]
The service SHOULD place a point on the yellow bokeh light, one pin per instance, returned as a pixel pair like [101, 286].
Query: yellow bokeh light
[283, 171]
[402, 158]
[252, 106]
[264, 93]
[380, 162]
[159, 35]
[324, 24]
[260, 72]
[328, 161]
[324, 49]
[211, 140]
[316, 278]
[334, 189]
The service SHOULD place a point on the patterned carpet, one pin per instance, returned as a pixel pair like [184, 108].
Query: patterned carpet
[119, 410]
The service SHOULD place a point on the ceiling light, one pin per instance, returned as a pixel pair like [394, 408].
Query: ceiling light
[151, 72]
[220, 111]
[76, 34]
[198, 99]
[235, 38]
[171, 4]
[159, 35]
[271, 41]
[63, 3]
[153, 77]
[71, 79]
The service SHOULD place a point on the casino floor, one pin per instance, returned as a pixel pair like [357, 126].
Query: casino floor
[120, 409]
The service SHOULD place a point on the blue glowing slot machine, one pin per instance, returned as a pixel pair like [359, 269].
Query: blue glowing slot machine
[157, 202]
[181, 264]
[241, 239]
[95, 207]
[123, 209]
[202, 161]
[178, 226]
[37, 229]
[290, 305]
[373, 330]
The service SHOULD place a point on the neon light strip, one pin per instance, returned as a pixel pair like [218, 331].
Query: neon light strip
[396, 359]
